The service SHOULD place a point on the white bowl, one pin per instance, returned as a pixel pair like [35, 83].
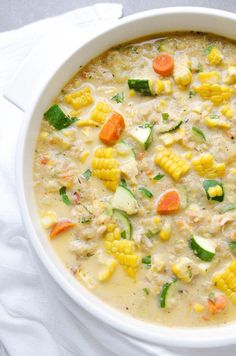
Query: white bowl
[74, 295]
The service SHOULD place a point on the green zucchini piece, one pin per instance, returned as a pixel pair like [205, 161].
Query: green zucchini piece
[142, 86]
[124, 200]
[168, 290]
[57, 118]
[202, 248]
[226, 208]
[208, 183]
[198, 134]
[147, 260]
[232, 245]
[124, 222]
[87, 174]
[159, 176]
[172, 128]
[64, 196]
[143, 134]
[145, 191]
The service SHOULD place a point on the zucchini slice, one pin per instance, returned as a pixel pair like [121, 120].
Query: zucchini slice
[172, 128]
[226, 208]
[143, 135]
[142, 86]
[211, 183]
[57, 118]
[124, 222]
[198, 134]
[124, 200]
[167, 292]
[202, 248]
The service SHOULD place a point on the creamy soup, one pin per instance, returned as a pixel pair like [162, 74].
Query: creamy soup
[135, 175]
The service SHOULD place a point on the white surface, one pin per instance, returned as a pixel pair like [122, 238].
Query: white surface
[31, 322]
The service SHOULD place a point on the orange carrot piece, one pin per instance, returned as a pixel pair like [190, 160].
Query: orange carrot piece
[60, 227]
[112, 129]
[169, 203]
[218, 305]
[163, 64]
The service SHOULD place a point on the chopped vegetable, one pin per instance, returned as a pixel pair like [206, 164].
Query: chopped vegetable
[159, 176]
[216, 93]
[143, 134]
[145, 191]
[226, 208]
[100, 113]
[124, 223]
[172, 128]
[168, 290]
[205, 166]
[171, 163]
[163, 64]
[214, 56]
[198, 133]
[212, 297]
[64, 196]
[80, 98]
[85, 219]
[124, 199]
[87, 174]
[57, 118]
[191, 94]
[165, 233]
[217, 305]
[146, 291]
[207, 50]
[112, 129]
[232, 245]
[165, 116]
[214, 190]
[202, 248]
[169, 203]
[147, 260]
[226, 284]
[143, 86]
[119, 98]
[61, 226]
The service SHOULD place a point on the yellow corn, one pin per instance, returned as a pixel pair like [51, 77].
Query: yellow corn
[49, 219]
[80, 98]
[171, 163]
[159, 87]
[100, 112]
[215, 56]
[83, 156]
[161, 105]
[188, 155]
[183, 77]
[87, 122]
[106, 168]
[216, 93]
[227, 111]
[182, 269]
[231, 75]
[108, 272]
[198, 308]
[132, 92]
[215, 191]
[216, 123]
[209, 77]
[226, 281]
[122, 250]
[165, 233]
[205, 166]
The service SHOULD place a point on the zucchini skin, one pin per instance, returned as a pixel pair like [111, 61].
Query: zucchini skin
[141, 85]
[200, 252]
[208, 183]
[164, 293]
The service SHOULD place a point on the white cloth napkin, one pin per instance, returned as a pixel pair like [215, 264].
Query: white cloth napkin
[32, 321]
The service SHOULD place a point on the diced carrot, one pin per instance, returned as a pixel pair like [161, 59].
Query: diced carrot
[218, 305]
[112, 129]
[149, 172]
[60, 227]
[169, 203]
[140, 156]
[163, 64]
[44, 160]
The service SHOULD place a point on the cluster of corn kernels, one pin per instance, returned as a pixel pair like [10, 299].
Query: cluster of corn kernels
[226, 281]
[205, 166]
[215, 56]
[227, 111]
[162, 87]
[105, 167]
[171, 163]
[182, 73]
[211, 122]
[108, 272]
[80, 98]
[216, 93]
[122, 250]
[215, 191]
[101, 112]
[209, 77]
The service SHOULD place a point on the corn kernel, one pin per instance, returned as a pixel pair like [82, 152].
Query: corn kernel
[227, 111]
[107, 274]
[215, 56]
[49, 219]
[165, 233]
[132, 92]
[198, 308]
[84, 156]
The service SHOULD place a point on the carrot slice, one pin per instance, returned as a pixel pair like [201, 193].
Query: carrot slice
[218, 305]
[169, 203]
[163, 64]
[60, 227]
[112, 129]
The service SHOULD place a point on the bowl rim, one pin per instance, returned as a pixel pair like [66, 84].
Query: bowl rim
[126, 329]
